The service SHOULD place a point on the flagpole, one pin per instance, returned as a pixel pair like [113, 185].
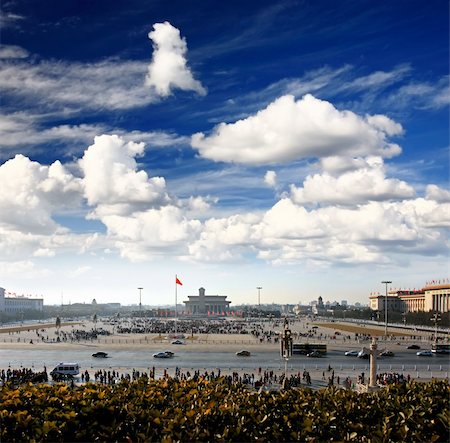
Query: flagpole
[176, 311]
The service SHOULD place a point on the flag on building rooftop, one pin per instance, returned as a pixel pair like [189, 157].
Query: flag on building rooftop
[178, 282]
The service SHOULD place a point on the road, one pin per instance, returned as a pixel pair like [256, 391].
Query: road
[125, 359]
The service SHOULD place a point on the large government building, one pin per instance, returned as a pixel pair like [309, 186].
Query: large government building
[202, 304]
[435, 296]
[19, 304]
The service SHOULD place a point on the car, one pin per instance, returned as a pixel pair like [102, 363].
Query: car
[178, 342]
[413, 347]
[314, 354]
[100, 354]
[352, 353]
[243, 353]
[162, 355]
[170, 353]
[386, 353]
[424, 353]
[363, 354]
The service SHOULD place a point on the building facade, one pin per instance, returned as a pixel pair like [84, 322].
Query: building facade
[203, 304]
[18, 304]
[432, 297]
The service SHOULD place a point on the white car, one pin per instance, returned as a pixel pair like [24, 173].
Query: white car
[178, 342]
[352, 353]
[424, 353]
[162, 355]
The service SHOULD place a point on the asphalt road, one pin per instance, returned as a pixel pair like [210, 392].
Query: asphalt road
[403, 361]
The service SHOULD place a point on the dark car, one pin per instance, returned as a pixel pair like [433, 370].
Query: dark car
[100, 354]
[413, 347]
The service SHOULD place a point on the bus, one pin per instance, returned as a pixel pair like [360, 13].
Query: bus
[306, 348]
[438, 348]
[65, 370]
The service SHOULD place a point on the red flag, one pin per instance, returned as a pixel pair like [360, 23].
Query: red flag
[177, 281]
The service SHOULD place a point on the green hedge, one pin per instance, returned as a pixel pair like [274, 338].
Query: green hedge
[170, 410]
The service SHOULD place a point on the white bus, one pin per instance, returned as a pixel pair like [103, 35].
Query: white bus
[66, 369]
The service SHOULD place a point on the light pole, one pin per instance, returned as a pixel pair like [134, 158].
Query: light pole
[140, 301]
[259, 296]
[286, 349]
[436, 317]
[259, 301]
[386, 282]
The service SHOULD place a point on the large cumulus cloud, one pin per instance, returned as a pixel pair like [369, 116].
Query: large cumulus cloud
[289, 129]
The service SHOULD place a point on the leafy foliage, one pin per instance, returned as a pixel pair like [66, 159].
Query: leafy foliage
[171, 410]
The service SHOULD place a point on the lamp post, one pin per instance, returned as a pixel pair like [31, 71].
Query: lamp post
[259, 296]
[436, 317]
[286, 348]
[259, 301]
[140, 301]
[386, 282]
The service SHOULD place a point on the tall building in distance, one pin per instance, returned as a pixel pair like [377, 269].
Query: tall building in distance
[434, 296]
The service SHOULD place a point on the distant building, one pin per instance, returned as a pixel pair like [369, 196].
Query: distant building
[202, 304]
[434, 296]
[15, 304]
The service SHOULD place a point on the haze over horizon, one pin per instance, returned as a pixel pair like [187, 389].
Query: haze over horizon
[299, 146]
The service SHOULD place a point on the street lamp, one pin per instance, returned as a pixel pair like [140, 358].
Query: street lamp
[386, 282]
[140, 301]
[259, 301]
[286, 348]
[436, 318]
[259, 296]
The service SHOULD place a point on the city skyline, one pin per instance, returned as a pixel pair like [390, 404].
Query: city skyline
[270, 152]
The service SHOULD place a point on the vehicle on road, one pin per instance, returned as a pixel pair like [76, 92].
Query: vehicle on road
[413, 347]
[162, 355]
[364, 354]
[65, 370]
[100, 354]
[315, 354]
[178, 342]
[424, 353]
[243, 353]
[170, 353]
[352, 353]
[307, 348]
[438, 348]
[386, 353]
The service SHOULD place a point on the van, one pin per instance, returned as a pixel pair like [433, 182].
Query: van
[66, 369]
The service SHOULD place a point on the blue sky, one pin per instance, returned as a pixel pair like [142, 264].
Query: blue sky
[301, 146]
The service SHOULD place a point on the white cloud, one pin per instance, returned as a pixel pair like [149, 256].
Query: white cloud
[26, 269]
[23, 131]
[438, 194]
[270, 179]
[168, 69]
[12, 51]
[112, 182]
[351, 188]
[75, 87]
[288, 130]
[30, 193]
[147, 234]
[376, 232]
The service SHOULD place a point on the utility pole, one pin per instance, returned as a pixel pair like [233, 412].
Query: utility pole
[386, 282]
